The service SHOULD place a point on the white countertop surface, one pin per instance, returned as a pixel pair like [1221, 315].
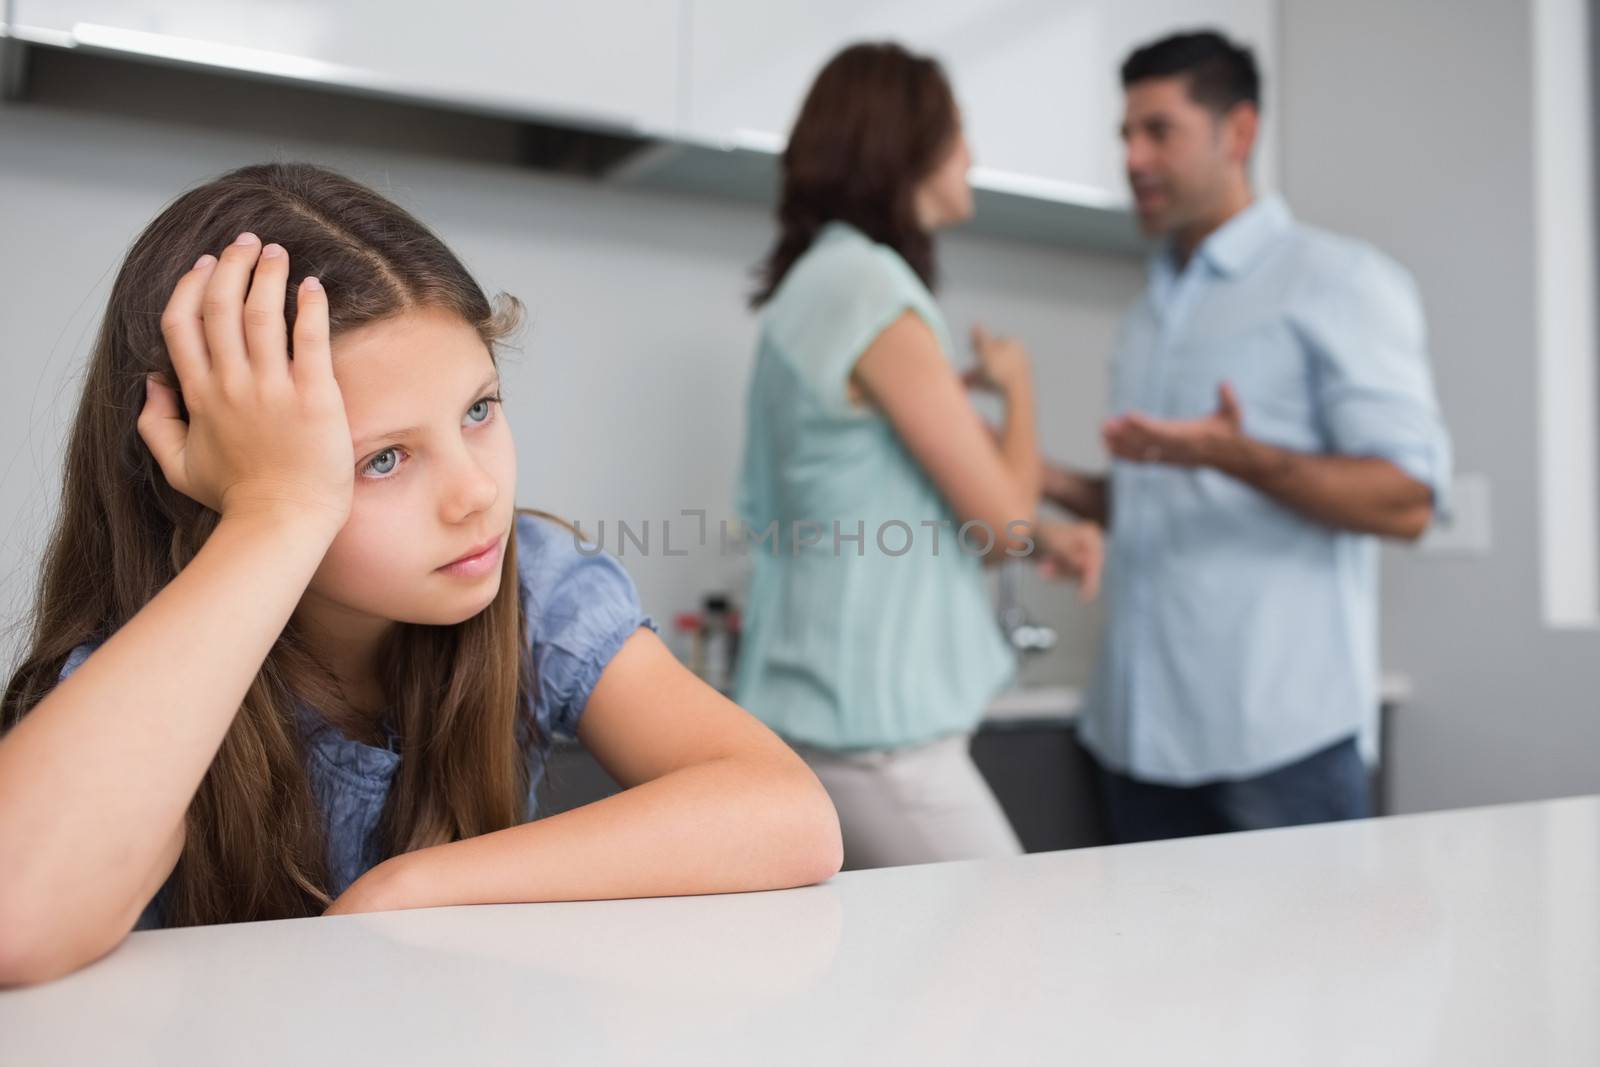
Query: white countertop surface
[1459, 938]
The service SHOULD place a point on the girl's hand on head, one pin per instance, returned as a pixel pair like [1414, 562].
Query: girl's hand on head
[265, 434]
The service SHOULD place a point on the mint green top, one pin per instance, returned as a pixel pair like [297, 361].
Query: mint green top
[879, 641]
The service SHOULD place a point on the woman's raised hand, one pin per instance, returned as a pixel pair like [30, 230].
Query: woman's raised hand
[1003, 364]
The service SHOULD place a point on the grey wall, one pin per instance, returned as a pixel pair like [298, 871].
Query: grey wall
[1409, 125]
[627, 396]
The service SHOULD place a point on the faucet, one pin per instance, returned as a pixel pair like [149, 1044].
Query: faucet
[1025, 635]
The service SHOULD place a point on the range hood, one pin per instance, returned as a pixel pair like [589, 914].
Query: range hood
[743, 168]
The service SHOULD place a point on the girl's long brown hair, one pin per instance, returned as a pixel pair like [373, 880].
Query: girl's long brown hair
[254, 841]
[876, 122]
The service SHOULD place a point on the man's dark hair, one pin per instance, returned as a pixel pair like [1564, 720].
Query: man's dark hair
[1220, 73]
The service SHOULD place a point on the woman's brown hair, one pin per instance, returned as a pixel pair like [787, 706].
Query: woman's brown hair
[254, 844]
[876, 122]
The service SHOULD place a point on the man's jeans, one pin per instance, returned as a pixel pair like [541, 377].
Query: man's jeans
[1327, 786]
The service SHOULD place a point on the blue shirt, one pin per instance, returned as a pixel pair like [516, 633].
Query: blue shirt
[1241, 636]
[880, 634]
[580, 608]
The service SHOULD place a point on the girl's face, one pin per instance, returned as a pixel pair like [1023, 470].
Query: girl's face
[436, 475]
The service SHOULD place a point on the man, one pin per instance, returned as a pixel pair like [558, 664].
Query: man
[1275, 415]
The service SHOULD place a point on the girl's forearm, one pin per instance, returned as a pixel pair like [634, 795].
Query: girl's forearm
[674, 836]
[95, 780]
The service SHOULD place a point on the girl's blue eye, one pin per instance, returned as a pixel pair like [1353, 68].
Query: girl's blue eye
[384, 462]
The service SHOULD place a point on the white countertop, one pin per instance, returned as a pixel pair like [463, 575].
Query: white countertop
[1459, 939]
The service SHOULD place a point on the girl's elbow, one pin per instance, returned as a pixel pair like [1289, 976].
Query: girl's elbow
[21, 945]
[812, 848]
[22, 964]
[39, 942]
[826, 856]
[819, 846]
[810, 859]
[32, 953]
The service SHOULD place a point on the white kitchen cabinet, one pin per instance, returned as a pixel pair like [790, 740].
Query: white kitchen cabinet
[1037, 79]
[710, 87]
[611, 62]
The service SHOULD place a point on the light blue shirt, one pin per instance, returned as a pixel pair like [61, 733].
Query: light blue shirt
[580, 607]
[1241, 636]
[881, 633]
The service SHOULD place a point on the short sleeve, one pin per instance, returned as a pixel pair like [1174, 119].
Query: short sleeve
[844, 294]
[75, 659]
[1363, 323]
[581, 607]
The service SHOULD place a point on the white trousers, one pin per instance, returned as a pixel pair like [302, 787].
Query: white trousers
[919, 804]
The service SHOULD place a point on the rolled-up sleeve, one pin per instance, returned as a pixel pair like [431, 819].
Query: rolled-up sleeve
[581, 608]
[1362, 321]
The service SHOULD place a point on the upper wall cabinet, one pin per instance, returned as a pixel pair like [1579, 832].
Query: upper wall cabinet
[703, 90]
[1036, 79]
[611, 63]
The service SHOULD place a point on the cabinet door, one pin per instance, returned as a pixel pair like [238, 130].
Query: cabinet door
[1037, 79]
[613, 61]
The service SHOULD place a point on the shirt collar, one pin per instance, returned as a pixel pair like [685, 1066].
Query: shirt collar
[1234, 245]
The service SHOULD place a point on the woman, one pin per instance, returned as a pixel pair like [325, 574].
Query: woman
[873, 489]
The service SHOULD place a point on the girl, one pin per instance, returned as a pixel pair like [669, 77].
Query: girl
[309, 657]
[876, 657]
